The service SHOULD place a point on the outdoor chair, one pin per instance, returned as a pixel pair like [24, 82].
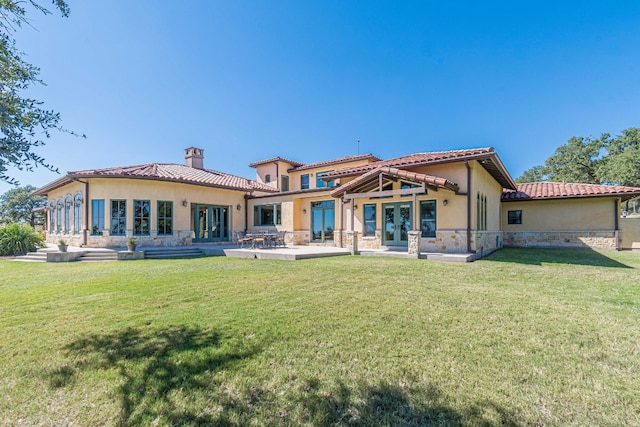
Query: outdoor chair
[243, 240]
[259, 239]
[280, 239]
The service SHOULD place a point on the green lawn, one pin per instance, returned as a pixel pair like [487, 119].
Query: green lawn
[524, 337]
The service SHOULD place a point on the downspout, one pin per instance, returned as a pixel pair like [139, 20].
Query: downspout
[246, 212]
[277, 176]
[466, 163]
[85, 230]
[616, 230]
[353, 216]
[342, 202]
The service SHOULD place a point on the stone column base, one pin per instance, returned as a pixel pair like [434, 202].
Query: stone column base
[414, 244]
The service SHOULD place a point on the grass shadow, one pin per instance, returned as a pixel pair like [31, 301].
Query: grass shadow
[159, 369]
[386, 404]
[170, 377]
[539, 256]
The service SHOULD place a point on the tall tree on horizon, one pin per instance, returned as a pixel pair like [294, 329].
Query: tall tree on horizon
[603, 160]
[17, 204]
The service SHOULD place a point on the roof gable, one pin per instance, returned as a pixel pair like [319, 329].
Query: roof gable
[369, 180]
[486, 156]
[334, 162]
[274, 160]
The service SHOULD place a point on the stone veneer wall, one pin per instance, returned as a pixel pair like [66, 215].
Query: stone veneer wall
[178, 238]
[351, 242]
[596, 239]
[300, 237]
[370, 242]
[413, 245]
[485, 242]
[447, 241]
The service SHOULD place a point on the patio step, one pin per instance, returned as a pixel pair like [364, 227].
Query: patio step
[99, 256]
[391, 254]
[445, 257]
[163, 253]
[33, 257]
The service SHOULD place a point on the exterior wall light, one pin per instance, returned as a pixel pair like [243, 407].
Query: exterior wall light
[185, 203]
[445, 202]
[238, 206]
[304, 210]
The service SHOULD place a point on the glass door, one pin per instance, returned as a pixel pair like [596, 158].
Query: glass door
[397, 223]
[211, 223]
[202, 223]
[322, 221]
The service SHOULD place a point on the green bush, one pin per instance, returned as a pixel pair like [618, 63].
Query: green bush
[18, 239]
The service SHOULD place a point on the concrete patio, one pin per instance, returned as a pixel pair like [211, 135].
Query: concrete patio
[289, 253]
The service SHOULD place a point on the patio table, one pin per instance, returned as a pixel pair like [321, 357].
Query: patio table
[268, 238]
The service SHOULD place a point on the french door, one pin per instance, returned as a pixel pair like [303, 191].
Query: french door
[322, 221]
[397, 223]
[211, 223]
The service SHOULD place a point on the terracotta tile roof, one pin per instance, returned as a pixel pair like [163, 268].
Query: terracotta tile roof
[338, 161]
[433, 181]
[417, 159]
[165, 172]
[274, 159]
[566, 190]
[487, 156]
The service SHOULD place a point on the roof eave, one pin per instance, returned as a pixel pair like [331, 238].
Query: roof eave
[71, 177]
[45, 189]
[503, 171]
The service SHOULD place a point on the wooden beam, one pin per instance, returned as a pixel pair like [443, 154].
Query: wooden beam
[386, 193]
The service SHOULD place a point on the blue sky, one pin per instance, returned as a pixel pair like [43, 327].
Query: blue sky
[306, 80]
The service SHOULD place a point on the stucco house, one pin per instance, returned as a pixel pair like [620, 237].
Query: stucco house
[457, 201]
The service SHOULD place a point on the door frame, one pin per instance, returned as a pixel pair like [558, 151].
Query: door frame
[323, 210]
[397, 238]
[224, 221]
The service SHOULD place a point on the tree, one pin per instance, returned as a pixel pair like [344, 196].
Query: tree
[576, 161]
[17, 204]
[24, 124]
[534, 174]
[604, 160]
[622, 162]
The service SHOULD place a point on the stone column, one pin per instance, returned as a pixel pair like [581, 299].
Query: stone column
[352, 242]
[414, 244]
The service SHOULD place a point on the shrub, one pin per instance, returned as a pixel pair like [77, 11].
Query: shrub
[18, 239]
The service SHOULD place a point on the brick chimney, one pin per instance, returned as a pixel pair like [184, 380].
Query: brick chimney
[194, 157]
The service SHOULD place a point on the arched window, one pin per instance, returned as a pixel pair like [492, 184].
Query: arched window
[77, 213]
[67, 214]
[59, 205]
[481, 212]
[478, 212]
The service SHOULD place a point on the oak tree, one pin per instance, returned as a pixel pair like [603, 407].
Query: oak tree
[24, 122]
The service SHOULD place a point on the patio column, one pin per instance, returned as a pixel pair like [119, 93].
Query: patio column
[352, 242]
[414, 244]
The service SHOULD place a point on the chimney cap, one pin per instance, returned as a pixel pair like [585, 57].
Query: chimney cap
[194, 157]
